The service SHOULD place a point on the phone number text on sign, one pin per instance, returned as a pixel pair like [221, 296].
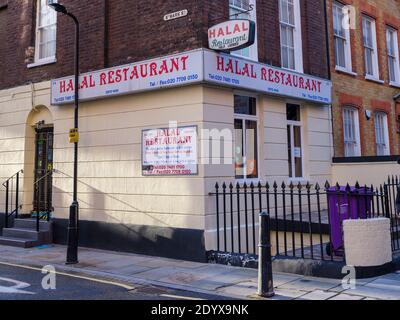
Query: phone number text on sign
[169, 151]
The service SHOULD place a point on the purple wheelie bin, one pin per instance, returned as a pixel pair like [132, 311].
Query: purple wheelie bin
[353, 203]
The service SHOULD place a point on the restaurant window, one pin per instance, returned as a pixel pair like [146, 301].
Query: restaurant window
[370, 48]
[382, 134]
[295, 144]
[341, 38]
[290, 29]
[246, 137]
[351, 131]
[46, 28]
[244, 9]
[393, 56]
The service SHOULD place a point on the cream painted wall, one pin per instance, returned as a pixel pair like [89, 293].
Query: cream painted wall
[111, 187]
[365, 173]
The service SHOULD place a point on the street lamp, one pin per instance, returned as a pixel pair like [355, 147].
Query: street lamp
[73, 226]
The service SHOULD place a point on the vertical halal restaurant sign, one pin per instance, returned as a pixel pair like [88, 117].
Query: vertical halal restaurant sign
[169, 151]
[232, 35]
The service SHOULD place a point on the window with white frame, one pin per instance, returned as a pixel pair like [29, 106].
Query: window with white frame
[393, 55]
[46, 28]
[290, 31]
[246, 137]
[370, 48]
[341, 38]
[382, 134]
[295, 143]
[244, 9]
[351, 129]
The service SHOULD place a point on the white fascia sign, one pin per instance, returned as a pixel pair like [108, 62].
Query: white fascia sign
[232, 35]
[197, 66]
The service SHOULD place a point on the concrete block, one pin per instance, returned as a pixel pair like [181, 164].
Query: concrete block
[367, 242]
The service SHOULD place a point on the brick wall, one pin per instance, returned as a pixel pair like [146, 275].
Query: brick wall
[354, 90]
[119, 31]
[3, 46]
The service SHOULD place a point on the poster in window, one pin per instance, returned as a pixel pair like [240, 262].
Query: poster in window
[169, 151]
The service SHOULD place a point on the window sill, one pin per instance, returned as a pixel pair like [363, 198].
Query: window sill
[248, 182]
[370, 78]
[41, 63]
[296, 181]
[346, 71]
[394, 84]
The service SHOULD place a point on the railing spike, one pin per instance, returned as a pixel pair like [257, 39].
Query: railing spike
[357, 185]
[283, 185]
[275, 185]
[299, 186]
[267, 186]
[327, 185]
[317, 187]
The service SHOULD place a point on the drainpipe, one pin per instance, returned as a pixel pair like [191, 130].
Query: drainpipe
[328, 56]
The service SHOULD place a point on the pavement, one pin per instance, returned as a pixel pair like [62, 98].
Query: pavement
[203, 281]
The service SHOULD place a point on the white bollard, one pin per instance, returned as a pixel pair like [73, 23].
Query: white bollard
[367, 242]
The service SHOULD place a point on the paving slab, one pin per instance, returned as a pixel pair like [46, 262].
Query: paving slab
[309, 284]
[288, 294]
[346, 297]
[385, 284]
[373, 292]
[245, 289]
[318, 295]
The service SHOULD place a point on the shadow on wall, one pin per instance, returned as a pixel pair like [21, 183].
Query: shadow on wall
[111, 233]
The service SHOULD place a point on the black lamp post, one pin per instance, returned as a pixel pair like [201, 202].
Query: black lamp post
[73, 226]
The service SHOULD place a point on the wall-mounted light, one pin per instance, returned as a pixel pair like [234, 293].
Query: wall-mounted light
[368, 115]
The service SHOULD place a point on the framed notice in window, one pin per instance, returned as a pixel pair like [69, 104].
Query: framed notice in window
[169, 151]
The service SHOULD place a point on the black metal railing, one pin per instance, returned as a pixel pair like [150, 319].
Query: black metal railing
[306, 219]
[42, 206]
[12, 197]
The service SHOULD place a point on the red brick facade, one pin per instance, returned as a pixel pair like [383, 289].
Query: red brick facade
[353, 89]
[119, 31]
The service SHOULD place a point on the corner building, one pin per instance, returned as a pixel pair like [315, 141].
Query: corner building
[140, 72]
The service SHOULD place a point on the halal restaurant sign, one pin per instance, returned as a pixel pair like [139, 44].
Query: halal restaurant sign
[232, 35]
[198, 66]
[170, 71]
[169, 151]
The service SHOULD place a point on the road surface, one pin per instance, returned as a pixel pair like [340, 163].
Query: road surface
[26, 283]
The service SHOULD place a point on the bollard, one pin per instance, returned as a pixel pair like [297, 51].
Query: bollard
[265, 279]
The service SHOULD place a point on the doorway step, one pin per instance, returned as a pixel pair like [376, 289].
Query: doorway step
[24, 234]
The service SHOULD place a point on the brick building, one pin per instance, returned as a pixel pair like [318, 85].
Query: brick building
[143, 69]
[366, 78]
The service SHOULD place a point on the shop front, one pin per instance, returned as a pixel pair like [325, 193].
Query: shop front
[156, 136]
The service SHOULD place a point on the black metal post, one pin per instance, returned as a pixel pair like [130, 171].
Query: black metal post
[6, 213]
[265, 278]
[72, 251]
[17, 197]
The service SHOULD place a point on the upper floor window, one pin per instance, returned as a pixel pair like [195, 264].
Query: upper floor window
[351, 129]
[393, 55]
[341, 38]
[244, 9]
[382, 134]
[291, 42]
[370, 48]
[46, 27]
